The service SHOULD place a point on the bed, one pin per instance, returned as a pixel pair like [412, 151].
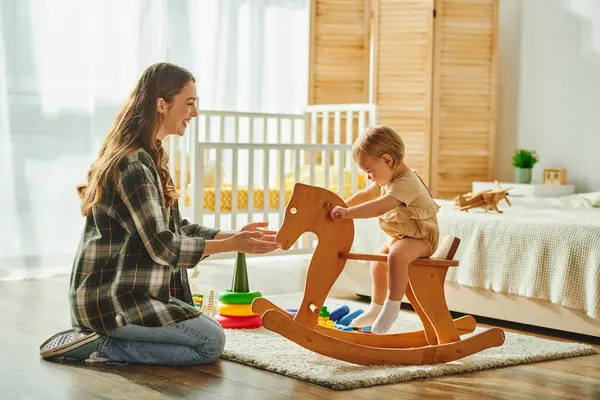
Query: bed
[537, 263]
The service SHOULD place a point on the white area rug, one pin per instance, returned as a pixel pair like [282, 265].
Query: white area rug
[267, 350]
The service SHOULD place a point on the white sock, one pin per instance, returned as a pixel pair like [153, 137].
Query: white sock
[387, 317]
[367, 318]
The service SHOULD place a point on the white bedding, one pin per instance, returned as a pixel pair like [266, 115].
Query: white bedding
[540, 248]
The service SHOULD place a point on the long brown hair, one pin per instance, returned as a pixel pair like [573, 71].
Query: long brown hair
[135, 127]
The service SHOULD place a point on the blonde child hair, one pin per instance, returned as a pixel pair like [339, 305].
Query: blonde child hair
[376, 141]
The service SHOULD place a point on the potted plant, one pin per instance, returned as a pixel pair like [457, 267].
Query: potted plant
[523, 161]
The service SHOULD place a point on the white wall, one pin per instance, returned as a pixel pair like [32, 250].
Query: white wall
[549, 87]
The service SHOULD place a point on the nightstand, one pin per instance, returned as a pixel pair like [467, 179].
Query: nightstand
[527, 189]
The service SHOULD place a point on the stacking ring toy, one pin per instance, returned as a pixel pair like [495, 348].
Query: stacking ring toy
[230, 297]
[235, 310]
[239, 322]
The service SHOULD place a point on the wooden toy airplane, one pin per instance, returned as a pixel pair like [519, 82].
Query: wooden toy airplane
[438, 342]
[487, 199]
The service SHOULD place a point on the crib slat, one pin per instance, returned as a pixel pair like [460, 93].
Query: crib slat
[207, 128]
[297, 167]
[266, 185]
[198, 184]
[361, 121]
[250, 184]
[337, 134]
[192, 149]
[218, 181]
[182, 170]
[325, 140]
[281, 185]
[354, 178]
[279, 131]
[236, 129]
[234, 187]
[297, 179]
[251, 130]
[337, 127]
[313, 128]
[313, 160]
[349, 133]
[372, 116]
[265, 130]
[221, 128]
[325, 128]
[341, 177]
[327, 166]
[196, 130]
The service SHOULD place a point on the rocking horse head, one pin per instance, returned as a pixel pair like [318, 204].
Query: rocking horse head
[308, 211]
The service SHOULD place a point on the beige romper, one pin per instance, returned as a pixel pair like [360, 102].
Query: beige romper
[416, 216]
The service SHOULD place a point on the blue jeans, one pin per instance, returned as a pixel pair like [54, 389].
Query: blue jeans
[200, 340]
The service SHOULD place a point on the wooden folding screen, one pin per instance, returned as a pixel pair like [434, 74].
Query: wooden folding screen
[433, 80]
[463, 136]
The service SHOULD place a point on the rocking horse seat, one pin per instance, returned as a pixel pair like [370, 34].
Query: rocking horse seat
[443, 256]
[426, 262]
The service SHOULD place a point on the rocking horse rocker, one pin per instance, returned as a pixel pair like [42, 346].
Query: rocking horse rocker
[438, 342]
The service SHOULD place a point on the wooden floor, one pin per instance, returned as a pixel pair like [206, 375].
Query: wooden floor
[33, 310]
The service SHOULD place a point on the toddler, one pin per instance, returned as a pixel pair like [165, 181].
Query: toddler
[407, 214]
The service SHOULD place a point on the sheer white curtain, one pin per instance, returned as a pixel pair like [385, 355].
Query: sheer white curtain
[66, 66]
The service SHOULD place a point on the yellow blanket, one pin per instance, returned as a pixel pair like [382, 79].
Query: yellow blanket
[258, 193]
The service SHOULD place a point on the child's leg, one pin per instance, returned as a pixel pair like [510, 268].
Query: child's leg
[379, 284]
[402, 254]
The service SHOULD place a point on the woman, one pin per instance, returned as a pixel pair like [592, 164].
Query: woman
[129, 294]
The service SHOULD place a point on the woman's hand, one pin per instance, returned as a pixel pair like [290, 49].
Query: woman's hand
[256, 227]
[338, 213]
[253, 242]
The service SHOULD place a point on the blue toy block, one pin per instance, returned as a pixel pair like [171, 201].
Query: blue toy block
[350, 317]
[345, 328]
[339, 313]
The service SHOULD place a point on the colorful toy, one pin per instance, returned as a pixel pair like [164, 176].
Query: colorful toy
[324, 314]
[346, 320]
[235, 305]
[239, 322]
[339, 313]
[438, 342]
[235, 310]
[198, 299]
[209, 307]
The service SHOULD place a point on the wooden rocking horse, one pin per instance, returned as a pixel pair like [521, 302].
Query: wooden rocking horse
[439, 341]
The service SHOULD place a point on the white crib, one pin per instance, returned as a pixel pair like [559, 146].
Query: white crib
[251, 161]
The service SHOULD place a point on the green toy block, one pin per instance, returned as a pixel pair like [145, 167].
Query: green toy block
[324, 312]
[240, 275]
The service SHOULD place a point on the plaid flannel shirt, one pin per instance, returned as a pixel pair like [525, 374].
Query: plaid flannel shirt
[130, 264]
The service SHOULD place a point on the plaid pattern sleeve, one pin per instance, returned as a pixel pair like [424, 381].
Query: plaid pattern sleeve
[141, 195]
[190, 229]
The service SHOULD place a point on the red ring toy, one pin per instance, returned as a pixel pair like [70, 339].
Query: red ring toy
[228, 322]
